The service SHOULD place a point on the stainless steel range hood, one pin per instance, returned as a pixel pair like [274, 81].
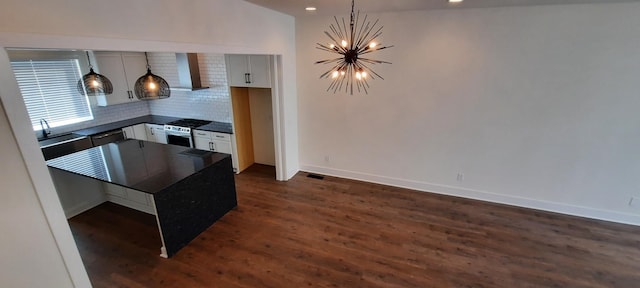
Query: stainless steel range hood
[188, 72]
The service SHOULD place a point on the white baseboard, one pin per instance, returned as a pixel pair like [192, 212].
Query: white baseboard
[130, 204]
[480, 195]
[80, 208]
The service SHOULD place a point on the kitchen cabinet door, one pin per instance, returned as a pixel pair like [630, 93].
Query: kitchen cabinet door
[155, 133]
[110, 65]
[260, 71]
[135, 65]
[201, 141]
[128, 132]
[221, 146]
[214, 141]
[238, 67]
[138, 132]
[123, 69]
[249, 71]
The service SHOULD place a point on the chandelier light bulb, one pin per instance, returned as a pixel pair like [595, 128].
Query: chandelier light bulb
[373, 45]
[94, 83]
[364, 74]
[332, 46]
[358, 75]
[335, 74]
[152, 86]
[342, 73]
[344, 43]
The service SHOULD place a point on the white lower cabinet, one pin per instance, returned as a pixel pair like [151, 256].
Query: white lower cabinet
[130, 198]
[138, 132]
[155, 133]
[214, 141]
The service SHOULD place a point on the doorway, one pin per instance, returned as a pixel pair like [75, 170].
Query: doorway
[253, 123]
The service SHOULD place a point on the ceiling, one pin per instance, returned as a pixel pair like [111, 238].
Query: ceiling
[341, 7]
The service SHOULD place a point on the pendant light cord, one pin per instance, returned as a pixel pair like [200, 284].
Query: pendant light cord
[147, 59]
[89, 60]
[351, 23]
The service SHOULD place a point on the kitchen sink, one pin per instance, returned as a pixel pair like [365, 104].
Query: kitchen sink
[46, 142]
[61, 145]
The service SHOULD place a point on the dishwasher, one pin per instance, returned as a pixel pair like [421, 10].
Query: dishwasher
[107, 137]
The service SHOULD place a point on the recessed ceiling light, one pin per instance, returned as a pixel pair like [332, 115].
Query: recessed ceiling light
[310, 8]
[455, 1]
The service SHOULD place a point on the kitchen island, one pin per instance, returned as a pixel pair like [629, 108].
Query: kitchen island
[189, 189]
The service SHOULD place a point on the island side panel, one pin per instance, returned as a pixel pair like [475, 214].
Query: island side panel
[191, 206]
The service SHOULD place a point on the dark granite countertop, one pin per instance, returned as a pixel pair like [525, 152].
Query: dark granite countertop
[151, 119]
[214, 126]
[141, 165]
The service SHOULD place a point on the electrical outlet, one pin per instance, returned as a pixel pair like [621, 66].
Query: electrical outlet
[460, 177]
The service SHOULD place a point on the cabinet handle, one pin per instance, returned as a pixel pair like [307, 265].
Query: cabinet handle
[151, 129]
[247, 78]
[211, 146]
[129, 94]
[201, 134]
[125, 134]
[218, 136]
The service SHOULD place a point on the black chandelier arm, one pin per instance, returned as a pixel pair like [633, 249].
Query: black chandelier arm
[362, 27]
[374, 50]
[371, 71]
[332, 39]
[366, 38]
[328, 49]
[372, 61]
[329, 61]
[337, 31]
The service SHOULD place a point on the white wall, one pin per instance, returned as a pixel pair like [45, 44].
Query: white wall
[536, 106]
[37, 249]
[206, 26]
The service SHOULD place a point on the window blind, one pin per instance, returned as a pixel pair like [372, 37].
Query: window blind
[89, 162]
[49, 91]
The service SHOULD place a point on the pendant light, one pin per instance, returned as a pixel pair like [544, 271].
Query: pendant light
[351, 44]
[94, 84]
[150, 86]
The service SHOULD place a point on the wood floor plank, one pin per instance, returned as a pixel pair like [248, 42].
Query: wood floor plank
[342, 233]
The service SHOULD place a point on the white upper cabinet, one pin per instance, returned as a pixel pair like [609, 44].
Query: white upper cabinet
[249, 71]
[123, 69]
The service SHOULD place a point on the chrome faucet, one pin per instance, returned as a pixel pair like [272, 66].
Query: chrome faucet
[45, 132]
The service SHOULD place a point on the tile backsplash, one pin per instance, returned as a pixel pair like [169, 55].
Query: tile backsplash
[108, 114]
[208, 104]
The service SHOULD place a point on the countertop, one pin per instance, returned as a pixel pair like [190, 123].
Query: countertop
[214, 126]
[141, 165]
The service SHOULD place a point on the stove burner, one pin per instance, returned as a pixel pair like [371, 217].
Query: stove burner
[189, 123]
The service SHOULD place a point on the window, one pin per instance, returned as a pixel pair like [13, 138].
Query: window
[49, 90]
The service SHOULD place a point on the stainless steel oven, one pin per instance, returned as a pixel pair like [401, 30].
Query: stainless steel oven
[179, 132]
[179, 139]
[178, 136]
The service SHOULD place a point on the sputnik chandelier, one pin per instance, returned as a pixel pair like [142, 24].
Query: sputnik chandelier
[350, 68]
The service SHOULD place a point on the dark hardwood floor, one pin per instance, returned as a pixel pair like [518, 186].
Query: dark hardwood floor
[343, 233]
